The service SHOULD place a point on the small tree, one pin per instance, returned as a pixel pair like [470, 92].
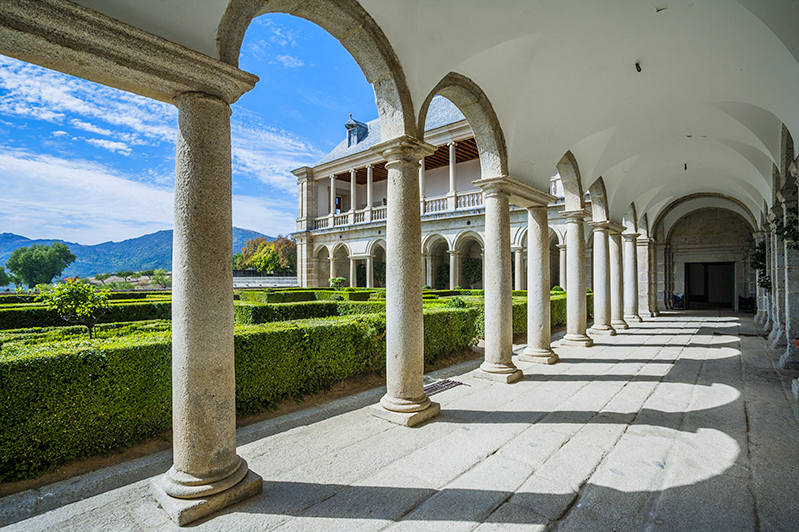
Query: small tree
[102, 277]
[337, 282]
[286, 250]
[161, 278]
[76, 302]
[266, 259]
[4, 277]
[125, 274]
[39, 264]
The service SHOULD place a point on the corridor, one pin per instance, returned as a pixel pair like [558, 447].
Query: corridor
[680, 422]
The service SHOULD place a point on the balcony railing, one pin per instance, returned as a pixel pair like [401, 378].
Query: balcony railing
[360, 217]
[379, 213]
[320, 223]
[432, 205]
[340, 219]
[470, 200]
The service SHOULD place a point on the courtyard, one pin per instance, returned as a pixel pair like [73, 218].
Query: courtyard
[680, 422]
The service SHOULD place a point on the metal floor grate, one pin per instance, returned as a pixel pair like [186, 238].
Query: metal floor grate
[440, 386]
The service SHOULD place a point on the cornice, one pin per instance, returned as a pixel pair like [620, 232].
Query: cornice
[79, 41]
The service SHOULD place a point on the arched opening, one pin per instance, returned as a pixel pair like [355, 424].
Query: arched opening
[437, 268]
[708, 250]
[469, 248]
[554, 260]
[323, 267]
[378, 255]
[341, 264]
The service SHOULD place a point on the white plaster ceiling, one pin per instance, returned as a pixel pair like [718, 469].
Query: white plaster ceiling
[561, 76]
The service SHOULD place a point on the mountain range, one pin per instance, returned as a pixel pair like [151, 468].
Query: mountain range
[150, 251]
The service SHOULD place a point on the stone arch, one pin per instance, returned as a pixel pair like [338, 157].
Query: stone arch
[569, 171]
[433, 239]
[470, 99]
[599, 201]
[643, 226]
[355, 29]
[372, 246]
[437, 266]
[377, 251]
[630, 219]
[322, 257]
[465, 235]
[703, 199]
[471, 248]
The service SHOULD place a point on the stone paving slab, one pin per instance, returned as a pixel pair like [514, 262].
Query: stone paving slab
[676, 423]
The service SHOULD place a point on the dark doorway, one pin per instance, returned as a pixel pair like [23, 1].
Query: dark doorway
[709, 285]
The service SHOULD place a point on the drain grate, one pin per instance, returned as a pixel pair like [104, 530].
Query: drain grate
[440, 386]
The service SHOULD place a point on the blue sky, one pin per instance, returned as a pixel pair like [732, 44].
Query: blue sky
[87, 163]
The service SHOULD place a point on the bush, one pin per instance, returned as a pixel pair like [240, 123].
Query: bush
[337, 283]
[40, 316]
[260, 313]
[77, 398]
[287, 297]
[557, 288]
[455, 302]
[76, 302]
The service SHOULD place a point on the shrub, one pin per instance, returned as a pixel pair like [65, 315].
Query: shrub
[76, 302]
[287, 297]
[557, 288]
[261, 313]
[337, 282]
[455, 302]
[40, 316]
[77, 398]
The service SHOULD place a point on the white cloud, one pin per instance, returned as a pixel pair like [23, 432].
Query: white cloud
[59, 133]
[289, 61]
[91, 128]
[52, 197]
[110, 145]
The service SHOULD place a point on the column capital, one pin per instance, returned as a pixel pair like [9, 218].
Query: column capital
[451, 143]
[614, 228]
[516, 249]
[601, 225]
[561, 246]
[645, 241]
[630, 237]
[304, 173]
[453, 252]
[405, 149]
[576, 215]
[520, 194]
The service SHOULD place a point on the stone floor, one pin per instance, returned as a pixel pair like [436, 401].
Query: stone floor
[677, 423]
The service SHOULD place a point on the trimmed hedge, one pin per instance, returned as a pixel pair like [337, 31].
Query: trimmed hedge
[78, 398]
[251, 313]
[39, 316]
[288, 297]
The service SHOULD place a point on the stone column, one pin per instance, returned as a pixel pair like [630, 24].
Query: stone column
[630, 277]
[539, 326]
[602, 318]
[518, 280]
[777, 336]
[429, 270]
[454, 263]
[353, 272]
[653, 280]
[332, 197]
[562, 265]
[453, 187]
[576, 300]
[421, 186]
[790, 359]
[498, 364]
[353, 195]
[370, 271]
[616, 279]
[768, 311]
[405, 401]
[369, 200]
[758, 237]
[642, 263]
[332, 266]
[206, 472]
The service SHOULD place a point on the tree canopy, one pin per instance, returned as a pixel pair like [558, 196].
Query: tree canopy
[39, 264]
[276, 257]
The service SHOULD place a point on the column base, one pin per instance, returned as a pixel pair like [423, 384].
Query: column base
[619, 324]
[492, 371]
[776, 338]
[576, 340]
[647, 314]
[539, 356]
[602, 330]
[795, 388]
[790, 359]
[185, 511]
[758, 318]
[632, 318]
[406, 419]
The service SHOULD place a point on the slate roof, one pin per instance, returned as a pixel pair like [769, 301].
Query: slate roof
[440, 113]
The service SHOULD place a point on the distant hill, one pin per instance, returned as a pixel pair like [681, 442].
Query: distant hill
[146, 252]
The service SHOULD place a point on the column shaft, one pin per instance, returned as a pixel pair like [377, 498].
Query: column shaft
[518, 279]
[630, 278]
[777, 336]
[405, 398]
[790, 359]
[562, 265]
[353, 272]
[332, 195]
[601, 282]
[370, 272]
[539, 326]
[642, 264]
[205, 462]
[498, 291]
[576, 301]
[454, 259]
[453, 188]
[616, 282]
[353, 190]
